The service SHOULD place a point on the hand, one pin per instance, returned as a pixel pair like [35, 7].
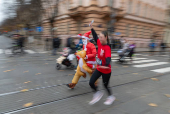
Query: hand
[103, 67]
[91, 25]
[85, 58]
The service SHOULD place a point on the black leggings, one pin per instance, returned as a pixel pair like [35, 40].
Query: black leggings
[105, 77]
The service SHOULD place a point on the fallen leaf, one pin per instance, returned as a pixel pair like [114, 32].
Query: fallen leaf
[27, 82]
[135, 73]
[25, 71]
[46, 63]
[125, 66]
[152, 104]
[61, 70]
[6, 70]
[37, 73]
[169, 111]
[154, 79]
[167, 95]
[28, 104]
[24, 90]
[70, 74]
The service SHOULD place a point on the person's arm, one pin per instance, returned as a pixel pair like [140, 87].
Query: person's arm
[94, 35]
[108, 56]
[93, 54]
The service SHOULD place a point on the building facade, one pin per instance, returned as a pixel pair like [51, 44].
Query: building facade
[136, 20]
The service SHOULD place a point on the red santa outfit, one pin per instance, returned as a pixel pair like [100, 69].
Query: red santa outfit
[90, 51]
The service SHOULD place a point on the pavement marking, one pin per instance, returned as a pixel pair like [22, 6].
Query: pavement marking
[150, 64]
[127, 58]
[114, 54]
[9, 93]
[1, 51]
[162, 70]
[30, 51]
[144, 61]
[43, 52]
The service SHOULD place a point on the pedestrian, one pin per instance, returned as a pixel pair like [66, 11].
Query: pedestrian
[162, 47]
[152, 46]
[56, 44]
[103, 67]
[90, 57]
[20, 42]
[122, 41]
[132, 50]
[47, 43]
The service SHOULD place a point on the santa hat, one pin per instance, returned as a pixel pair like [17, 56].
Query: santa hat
[86, 35]
[79, 35]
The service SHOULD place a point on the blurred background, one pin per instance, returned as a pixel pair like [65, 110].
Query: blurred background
[142, 21]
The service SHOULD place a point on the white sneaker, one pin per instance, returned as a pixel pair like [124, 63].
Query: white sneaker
[109, 100]
[96, 97]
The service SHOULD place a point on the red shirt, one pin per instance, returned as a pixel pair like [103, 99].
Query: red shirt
[104, 51]
[91, 52]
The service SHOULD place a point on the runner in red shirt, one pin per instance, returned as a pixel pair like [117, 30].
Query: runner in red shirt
[103, 67]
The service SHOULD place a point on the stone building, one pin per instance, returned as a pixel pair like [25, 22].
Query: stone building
[136, 20]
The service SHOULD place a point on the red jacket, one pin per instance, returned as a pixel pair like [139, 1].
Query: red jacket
[91, 52]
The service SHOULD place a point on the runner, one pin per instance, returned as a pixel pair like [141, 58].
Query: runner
[90, 57]
[103, 67]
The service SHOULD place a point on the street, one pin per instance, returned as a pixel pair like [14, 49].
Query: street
[30, 84]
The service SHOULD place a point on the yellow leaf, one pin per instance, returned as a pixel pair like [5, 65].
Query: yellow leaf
[28, 104]
[125, 66]
[24, 90]
[37, 73]
[169, 111]
[27, 82]
[154, 79]
[135, 73]
[26, 71]
[152, 104]
[46, 63]
[167, 95]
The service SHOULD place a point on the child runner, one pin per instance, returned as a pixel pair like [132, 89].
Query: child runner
[103, 67]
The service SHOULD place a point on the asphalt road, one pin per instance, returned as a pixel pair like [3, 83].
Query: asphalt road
[30, 84]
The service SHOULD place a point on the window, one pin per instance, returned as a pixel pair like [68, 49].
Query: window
[68, 30]
[79, 26]
[129, 6]
[80, 2]
[138, 9]
[135, 31]
[127, 30]
[146, 9]
[110, 3]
